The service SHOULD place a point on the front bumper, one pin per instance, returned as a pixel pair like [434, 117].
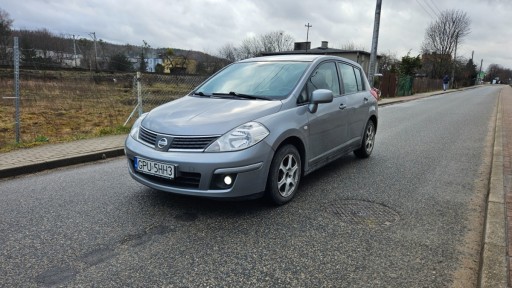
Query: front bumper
[196, 172]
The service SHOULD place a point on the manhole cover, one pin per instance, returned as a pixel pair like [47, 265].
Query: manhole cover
[356, 212]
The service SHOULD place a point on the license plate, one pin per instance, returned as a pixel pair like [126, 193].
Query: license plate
[150, 167]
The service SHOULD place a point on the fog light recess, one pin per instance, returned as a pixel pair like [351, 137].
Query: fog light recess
[223, 181]
[228, 180]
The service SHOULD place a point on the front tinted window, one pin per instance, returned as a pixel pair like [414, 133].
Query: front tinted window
[324, 77]
[274, 80]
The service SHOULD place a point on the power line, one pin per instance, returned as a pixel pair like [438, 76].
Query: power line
[430, 7]
[417, 1]
[435, 5]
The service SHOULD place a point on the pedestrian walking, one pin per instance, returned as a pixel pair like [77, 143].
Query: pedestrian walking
[446, 80]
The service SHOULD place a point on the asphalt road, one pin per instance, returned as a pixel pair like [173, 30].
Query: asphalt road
[409, 216]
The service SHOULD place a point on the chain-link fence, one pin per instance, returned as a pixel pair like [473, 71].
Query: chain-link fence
[155, 89]
[59, 104]
[64, 105]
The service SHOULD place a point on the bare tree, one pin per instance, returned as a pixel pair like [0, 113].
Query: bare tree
[250, 47]
[441, 40]
[86, 48]
[5, 36]
[498, 73]
[352, 46]
[253, 46]
[276, 41]
[443, 35]
[228, 52]
[42, 48]
[388, 62]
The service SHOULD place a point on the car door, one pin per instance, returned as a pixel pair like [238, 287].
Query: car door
[356, 100]
[362, 109]
[328, 127]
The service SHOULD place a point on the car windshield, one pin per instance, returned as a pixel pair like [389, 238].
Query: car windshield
[272, 80]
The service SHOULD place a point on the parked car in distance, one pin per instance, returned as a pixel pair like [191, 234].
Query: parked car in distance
[255, 128]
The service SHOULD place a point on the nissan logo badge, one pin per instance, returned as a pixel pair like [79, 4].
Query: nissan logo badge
[162, 143]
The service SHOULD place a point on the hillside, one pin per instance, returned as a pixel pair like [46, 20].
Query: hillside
[41, 48]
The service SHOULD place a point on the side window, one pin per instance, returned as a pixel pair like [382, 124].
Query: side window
[360, 84]
[324, 77]
[348, 78]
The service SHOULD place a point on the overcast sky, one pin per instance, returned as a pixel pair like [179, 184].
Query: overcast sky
[206, 25]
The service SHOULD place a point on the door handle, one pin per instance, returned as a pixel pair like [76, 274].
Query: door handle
[343, 106]
[365, 100]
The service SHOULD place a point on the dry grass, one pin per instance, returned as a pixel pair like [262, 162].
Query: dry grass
[64, 106]
[59, 106]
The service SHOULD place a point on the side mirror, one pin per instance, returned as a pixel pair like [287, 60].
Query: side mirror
[319, 96]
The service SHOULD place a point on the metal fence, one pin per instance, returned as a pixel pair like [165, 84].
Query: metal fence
[63, 105]
[68, 104]
[422, 85]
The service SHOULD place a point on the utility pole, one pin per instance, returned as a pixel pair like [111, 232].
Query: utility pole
[17, 87]
[95, 50]
[454, 59]
[74, 50]
[307, 35]
[375, 41]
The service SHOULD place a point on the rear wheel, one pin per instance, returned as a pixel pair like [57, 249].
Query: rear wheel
[368, 141]
[284, 175]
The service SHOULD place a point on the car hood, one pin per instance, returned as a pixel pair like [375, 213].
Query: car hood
[206, 116]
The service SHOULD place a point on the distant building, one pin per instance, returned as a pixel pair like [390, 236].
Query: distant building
[151, 64]
[359, 56]
[59, 58]
[180, 65]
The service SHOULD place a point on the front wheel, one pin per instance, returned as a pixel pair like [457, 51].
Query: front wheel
[284, 175]
[368, 141]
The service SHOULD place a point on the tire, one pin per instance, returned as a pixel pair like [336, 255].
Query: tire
[368, 141]
[284, 175]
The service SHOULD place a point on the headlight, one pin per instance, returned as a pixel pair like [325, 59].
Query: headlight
[134, 132]
[242, 137]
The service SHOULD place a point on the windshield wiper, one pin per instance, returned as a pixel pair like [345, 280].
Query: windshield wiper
[240, 95]
[201, 94]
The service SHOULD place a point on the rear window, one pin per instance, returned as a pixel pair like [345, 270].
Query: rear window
[348, 77]
[360, 84]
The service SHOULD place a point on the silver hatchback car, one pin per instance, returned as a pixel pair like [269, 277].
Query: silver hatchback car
[256, 127]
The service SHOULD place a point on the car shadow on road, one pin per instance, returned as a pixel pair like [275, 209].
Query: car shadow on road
[239, 207]
[180, 204]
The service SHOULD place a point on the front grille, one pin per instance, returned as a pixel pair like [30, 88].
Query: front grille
[147, 136]
[177, 143]
[199, 143]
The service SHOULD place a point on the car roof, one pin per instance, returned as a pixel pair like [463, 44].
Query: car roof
[299, 58]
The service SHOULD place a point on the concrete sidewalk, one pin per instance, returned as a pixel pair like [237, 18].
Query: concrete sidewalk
[496, 259]
[31, 160]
